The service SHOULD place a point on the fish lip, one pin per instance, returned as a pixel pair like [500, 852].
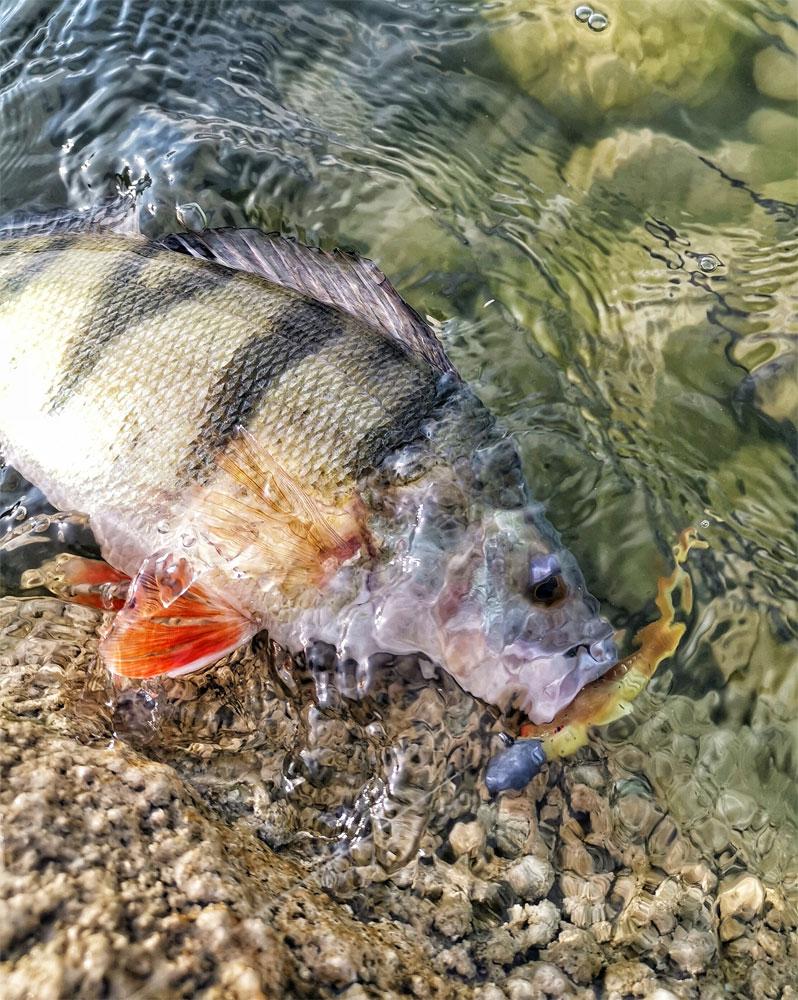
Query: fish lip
[601, 653]
[596, 652]
[593, 660]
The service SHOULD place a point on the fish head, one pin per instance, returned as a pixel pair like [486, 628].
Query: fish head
[517, 626]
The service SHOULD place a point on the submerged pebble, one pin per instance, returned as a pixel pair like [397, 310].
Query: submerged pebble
[531, 878]
[467, 838]
[775, 74]
[565, 886]
[741, 898]
[656, 55]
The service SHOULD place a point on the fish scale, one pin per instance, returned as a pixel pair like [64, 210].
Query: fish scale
[129, 328]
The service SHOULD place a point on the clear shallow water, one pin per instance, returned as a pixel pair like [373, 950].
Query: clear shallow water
[604, 226]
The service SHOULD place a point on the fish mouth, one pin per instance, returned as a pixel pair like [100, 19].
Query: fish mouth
[561, 677]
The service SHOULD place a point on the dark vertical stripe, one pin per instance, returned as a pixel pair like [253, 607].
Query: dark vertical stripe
[31, 264]
[303, 328]
[123, 303]
[401, 426]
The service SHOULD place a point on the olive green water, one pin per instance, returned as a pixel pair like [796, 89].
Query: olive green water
[602, 223]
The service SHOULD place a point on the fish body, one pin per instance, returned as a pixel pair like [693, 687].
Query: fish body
[264, 437]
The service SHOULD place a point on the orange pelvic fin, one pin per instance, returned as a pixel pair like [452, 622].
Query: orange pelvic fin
[298, 538]
[610, 697]
[170, 624]
[91, 582]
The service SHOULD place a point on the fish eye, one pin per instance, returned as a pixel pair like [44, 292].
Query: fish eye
[545, 584]
[548, 591]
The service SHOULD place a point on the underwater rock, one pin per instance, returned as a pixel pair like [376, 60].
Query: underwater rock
[649, 56]
[531, 878]
[774, 128]
[513, 825]
[623, 979]
[540, 981]
[144, 869]
[467, 838]
[453, 915]
[622, 164]
[489, 992]
[692, 950]
[577, 953]
[741, 898]
[775, 66]
[658, 318]
[730, 928]
[527, 926]
[117, 880]
[774, 74]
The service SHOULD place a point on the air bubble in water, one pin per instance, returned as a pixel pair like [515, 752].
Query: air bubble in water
[598, 21]
[708, 262]
[583, 12]
[107, 595]
[191, 216]
[173, 577]
[39, 523]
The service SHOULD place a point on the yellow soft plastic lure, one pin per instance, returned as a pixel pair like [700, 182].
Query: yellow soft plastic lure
[611, 696]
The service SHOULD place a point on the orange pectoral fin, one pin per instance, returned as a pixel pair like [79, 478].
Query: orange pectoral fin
[298, 537]
[155, 634]
[91, 582]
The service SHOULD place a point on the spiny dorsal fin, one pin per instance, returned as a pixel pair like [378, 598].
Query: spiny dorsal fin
[352, 284]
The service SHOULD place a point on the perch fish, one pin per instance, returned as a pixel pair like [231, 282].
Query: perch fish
[265, 436]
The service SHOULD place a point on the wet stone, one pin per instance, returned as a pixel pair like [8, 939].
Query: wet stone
[741, 898]
[650, 55]
[467, 838]
[730, 928]
[577, 953]
[275, 848]
[692, 950]
[453, 915]
[623, 979]
[489, 992]
[531, 878]
[539, 979]
[775, 75]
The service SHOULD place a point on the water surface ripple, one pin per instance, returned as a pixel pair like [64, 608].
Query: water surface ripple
[615, 268]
